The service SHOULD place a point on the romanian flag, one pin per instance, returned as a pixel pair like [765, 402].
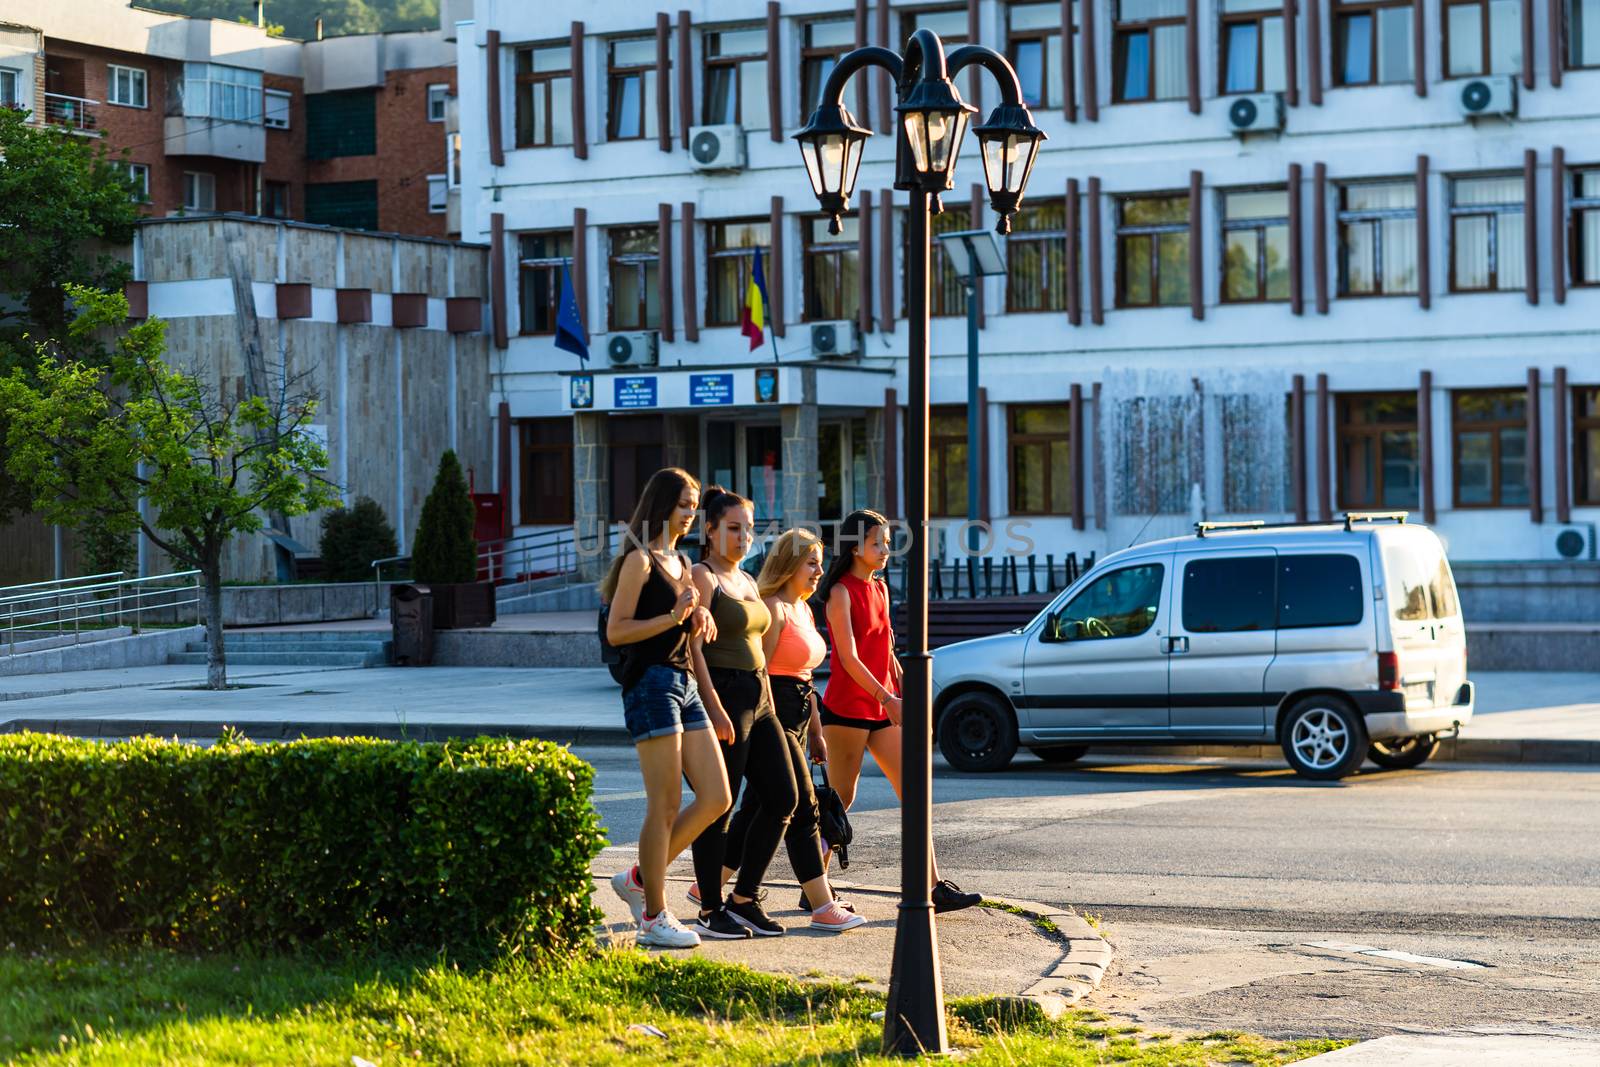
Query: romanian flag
[753, 316]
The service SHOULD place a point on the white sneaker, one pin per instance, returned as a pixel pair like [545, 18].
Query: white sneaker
[665, 931]
[628, 888]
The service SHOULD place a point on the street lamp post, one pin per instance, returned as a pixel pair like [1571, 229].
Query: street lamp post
[932, 121]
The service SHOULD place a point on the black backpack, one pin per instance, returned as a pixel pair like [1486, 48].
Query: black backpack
[833, 823]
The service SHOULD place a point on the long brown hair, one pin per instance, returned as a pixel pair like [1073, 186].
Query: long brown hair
[715, 501]
[853, 532]
[650, 516]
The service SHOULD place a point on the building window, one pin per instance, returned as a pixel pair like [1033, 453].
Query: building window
[1377, 441]
[1148, 51]
[10, 88]
[229, 94]
[950, 23]
[635, 268]
[127, 86]
[947, 293]
[1150, 463]
[833, 269]
[275, 200]
[1256, 452]
[1040, 441]
[438, 194]
[730, 257]
[199, 191]
[1482, 37]
[1584, 204]
[1378, 238]
[1583, 47]
[947, 461]
[736, 79]
[1252, 46]
[1255, 239]
[453, 144]
[139, 175]
[1490, 430]
[1486, 232]
[1033, 38]
[823, 42]
[341, 124]
[1586, 443]
[544, 97]
[544, 464]
[1152, 251]
[631, 89]
[349, 204]
[438, 97]
[1371, 42]
[275, 115]
[541, 258]
[1036, 258]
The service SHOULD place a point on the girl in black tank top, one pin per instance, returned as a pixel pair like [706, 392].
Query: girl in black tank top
[669, 648]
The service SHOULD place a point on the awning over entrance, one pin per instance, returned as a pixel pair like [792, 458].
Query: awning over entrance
[707, 388]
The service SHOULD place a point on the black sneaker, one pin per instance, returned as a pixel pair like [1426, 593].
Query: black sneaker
[720, 926]
[753, 918]
[947, 896]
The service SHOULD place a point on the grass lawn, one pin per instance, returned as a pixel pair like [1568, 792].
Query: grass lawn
[157, 1007]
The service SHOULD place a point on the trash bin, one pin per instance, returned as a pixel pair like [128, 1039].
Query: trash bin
[411, 618]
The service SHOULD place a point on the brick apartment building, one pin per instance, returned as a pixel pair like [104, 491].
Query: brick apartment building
[222, 117]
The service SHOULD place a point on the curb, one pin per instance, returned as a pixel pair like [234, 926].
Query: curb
[1451, 750]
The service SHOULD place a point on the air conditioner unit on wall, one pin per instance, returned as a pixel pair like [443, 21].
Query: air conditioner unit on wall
[1482, 97]
[1568, 542]
[835, 340]
[632, 349]
[716, 147]
[1256, 113]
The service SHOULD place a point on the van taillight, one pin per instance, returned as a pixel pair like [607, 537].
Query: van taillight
[1388, 670]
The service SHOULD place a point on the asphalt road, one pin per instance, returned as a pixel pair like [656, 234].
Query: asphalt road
[1239, 896]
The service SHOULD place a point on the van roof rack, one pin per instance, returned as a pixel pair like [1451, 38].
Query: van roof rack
[1203, 528]
[1353, 517]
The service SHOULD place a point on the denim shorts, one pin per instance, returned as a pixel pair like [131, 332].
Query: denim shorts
[664, 701]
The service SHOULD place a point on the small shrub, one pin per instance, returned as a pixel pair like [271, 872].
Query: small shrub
[333, 843]
[444, 550]
[352, 538]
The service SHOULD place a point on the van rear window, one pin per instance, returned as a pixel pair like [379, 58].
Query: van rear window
[1420, 582]
[1322, 590]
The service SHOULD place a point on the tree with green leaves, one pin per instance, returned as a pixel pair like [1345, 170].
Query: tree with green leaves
[90, 440]
[352, 538]
[445, 549]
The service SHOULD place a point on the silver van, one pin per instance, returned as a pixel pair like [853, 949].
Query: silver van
[1340, 641]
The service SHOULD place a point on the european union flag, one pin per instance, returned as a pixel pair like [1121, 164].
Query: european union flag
[570, 334]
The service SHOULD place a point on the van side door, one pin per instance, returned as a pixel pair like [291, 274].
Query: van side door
[1327, 630]
[1222, 642]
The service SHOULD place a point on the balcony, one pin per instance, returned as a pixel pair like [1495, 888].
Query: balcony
[197, 135]
[216, 111]
[73, 112]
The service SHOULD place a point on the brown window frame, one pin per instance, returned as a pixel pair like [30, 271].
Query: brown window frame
[1129, 231]
[616, 74]
[947, 293]
[1495, 427]
[1578, 206]
[1121, 29]
[811, 54]
[1225, 21]
[813, 249]
[1572, 34]
[639, 261]
[1344, 10]
[1486, 29]
[530, 78]
[712, 62]
[746, 257]
[1043, 237]
[1259, 226]
[908, 22]
[1581, 461]
[529, 447]
[1349, 430]
[940, 445]
[1016, 440]
[1346, 216]
[268, 188]
[528, 265]
[1492, 212]
[1049, 39]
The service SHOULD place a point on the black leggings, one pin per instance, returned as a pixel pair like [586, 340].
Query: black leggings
[760, 756]
[793, 698]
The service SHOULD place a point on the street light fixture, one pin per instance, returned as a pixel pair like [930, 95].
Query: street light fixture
[932, 124]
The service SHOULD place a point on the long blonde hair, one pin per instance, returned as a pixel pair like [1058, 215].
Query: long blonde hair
[651, 515]
[785, 558]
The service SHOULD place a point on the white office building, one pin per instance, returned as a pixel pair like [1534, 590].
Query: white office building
[1276, 260]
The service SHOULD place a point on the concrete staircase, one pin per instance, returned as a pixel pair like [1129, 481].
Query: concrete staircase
[331, 648]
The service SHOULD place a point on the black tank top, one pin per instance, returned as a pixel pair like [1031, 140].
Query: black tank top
[658, 596]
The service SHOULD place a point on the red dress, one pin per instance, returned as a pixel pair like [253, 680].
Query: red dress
[869, 624]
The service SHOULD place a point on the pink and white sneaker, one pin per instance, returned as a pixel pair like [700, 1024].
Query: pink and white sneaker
[693, 893]
[835, 919]
[626, 884]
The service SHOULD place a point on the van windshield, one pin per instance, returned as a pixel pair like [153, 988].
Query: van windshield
[1420, 584]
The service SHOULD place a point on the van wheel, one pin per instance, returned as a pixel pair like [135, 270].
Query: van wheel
[978, 732]
[1323, 738]
[1061, 753]
[1403, 753]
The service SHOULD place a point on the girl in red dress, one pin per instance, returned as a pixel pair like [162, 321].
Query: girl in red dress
[861, 706]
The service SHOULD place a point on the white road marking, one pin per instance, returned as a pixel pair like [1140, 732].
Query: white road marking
[1403, 957]
[603, 797]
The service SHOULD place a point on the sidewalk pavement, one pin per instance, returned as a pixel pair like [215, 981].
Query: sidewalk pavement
[1521, 716]
[1484, 1046]
[983, 951]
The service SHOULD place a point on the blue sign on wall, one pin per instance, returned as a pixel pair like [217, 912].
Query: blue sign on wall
[707, 389]
[635, 392]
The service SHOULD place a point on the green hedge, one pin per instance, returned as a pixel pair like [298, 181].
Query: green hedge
[459, 847]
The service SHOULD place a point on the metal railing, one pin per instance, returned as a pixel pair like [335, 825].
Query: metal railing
[73, 112]
[522, 558]
[85, 605]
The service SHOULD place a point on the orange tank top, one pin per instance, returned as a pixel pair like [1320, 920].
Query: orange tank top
[800, 647]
